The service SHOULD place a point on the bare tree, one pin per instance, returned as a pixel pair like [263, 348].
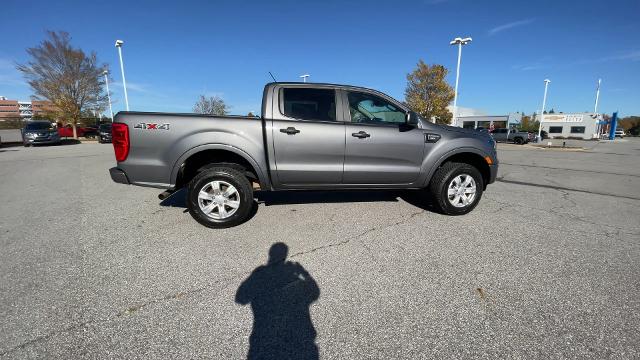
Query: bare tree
[213, 105]
[66, 76]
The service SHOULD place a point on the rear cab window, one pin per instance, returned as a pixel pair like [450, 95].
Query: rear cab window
[308, 104]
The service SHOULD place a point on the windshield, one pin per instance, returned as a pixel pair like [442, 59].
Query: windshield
[39, 126]
[105, 127]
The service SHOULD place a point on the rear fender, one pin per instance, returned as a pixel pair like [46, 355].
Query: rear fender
[262, 178]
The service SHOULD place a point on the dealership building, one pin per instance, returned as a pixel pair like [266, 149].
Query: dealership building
[488, 121]
[573, 125]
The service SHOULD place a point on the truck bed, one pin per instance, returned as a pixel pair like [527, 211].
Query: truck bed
[160, 142]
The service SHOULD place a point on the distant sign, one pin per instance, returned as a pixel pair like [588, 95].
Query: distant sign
[562, 118]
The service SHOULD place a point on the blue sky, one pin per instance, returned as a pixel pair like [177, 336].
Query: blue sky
[176, 50]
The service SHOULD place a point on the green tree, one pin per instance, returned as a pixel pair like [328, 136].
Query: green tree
[213, 105]
[66, 76]
[428, 94]
[528, 124]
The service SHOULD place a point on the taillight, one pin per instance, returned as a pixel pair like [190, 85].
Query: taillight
[120, 140]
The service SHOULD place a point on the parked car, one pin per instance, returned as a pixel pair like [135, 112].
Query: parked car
[620, 133]
[67, 131]
[507, 135]
[104, 133]
[90, 131]
[39, 132]
[310, 136]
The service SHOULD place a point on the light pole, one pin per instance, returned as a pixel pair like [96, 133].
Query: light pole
[124, 82]
[458, 41]
[106, 81]
[595, 108]
[304, 77]
[544, 103]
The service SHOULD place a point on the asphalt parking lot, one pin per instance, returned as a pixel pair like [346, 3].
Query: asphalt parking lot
[547, 266]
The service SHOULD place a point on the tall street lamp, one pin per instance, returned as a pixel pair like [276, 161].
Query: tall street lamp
[106, 81]
[124, 82]
[304, 77]
[544, 103]
[458, 41]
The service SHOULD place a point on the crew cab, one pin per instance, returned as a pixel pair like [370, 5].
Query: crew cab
[310, 136]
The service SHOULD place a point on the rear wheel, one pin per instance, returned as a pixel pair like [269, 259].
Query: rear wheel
[220, 197]
[518, 141]
[456, 188]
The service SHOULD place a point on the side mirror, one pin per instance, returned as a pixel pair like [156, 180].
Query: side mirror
[412, 118]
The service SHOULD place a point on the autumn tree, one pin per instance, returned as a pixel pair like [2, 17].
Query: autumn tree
[428, 93]
[68, 77]
[213, 105]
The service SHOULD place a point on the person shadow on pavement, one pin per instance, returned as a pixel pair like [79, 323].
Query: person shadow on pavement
[280, 293]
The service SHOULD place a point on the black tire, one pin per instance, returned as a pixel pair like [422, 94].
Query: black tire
[439, 186]
[231, 176]
[518, 141]
[26, 145]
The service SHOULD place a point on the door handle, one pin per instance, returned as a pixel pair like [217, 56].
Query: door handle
[360, 135]
[290, 130]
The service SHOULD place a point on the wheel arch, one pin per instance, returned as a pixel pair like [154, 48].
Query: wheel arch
[201, 157]
[471, 156]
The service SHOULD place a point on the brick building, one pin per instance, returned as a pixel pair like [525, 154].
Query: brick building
[26, 110]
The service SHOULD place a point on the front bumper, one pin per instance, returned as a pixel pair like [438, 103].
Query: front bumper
[43, 140]
[118, 176]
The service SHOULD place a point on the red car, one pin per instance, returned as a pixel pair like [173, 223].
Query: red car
[67, 131]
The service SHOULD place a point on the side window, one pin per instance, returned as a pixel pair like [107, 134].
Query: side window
[555, 129]
[577, 129]
[309, 104]
[371, 109]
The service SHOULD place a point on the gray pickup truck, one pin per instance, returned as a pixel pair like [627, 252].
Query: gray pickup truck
[507, 135]
[310, 136]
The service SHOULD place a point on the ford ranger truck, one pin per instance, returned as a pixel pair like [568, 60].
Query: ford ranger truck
[309, 137]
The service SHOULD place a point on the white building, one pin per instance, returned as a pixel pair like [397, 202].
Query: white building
[573, 125]
[486, 121]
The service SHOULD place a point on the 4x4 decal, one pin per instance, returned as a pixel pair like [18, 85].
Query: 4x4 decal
[151, 126]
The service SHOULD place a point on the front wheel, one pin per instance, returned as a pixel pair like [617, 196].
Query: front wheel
[220, 197]
[456, 188]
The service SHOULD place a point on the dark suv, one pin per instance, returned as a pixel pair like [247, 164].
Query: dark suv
[104, 133]
[39, 132]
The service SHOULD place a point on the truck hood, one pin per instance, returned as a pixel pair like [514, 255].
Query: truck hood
[460, 130]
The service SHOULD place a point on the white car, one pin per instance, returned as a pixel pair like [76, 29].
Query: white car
[620, 133]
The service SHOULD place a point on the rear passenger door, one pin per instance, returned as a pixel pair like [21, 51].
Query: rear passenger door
[308, 137]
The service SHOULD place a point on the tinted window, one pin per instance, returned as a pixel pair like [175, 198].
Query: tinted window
[500, 131]
[309, 104]
[105, 127]
[577, 129]
[366, 108]
[555, 129]
[39, 126]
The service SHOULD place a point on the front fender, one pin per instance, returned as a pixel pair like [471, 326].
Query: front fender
[436, 158]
